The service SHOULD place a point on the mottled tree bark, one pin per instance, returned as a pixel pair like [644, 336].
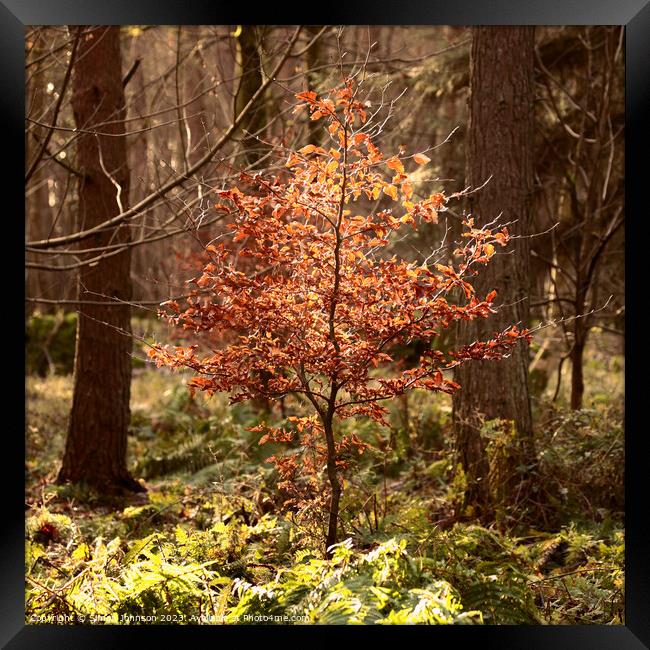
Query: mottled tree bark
[499, 145]
[95, 451]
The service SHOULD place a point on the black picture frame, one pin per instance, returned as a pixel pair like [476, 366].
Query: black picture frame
[634, 14]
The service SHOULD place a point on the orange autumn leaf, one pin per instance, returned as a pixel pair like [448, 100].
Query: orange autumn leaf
[331, 167]
[395, 163]
[407, 190]
[391, 191]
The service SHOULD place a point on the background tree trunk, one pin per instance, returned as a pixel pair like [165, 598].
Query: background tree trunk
[95, 451]
[39, 283]
[499, 145]
[314, 58]
[250, 68]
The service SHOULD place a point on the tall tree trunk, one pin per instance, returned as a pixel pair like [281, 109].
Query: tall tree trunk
[143, 257]
[249, 64]
[314, 59]
[95, 451]
[196, 115]
[499, 145]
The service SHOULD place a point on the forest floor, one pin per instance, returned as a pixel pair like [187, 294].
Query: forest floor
[209, 542]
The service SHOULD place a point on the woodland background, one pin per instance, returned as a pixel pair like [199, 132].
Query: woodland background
[129, 133]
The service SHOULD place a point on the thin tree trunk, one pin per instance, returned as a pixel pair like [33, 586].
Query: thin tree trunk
[580, 332]
[577, 380]
[39, 282]
[499, 145]
[95, 451]
[335, 485]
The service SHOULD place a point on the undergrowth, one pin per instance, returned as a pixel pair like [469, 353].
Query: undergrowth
[211, 542]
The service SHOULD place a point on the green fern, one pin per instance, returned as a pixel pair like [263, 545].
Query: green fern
[190, 457]
[383, 586]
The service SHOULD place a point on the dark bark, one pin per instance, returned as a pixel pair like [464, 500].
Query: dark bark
[499, 144]
[95, 452]
[580, 335]
[249, 65]
[250, 68]
[335, 485]
[577, 380]
[314, 56]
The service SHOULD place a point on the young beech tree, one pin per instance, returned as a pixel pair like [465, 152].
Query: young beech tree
[307, 298]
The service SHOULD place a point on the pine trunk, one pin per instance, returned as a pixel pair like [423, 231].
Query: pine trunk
[499, 148]
[95, 451]
[250, 68]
